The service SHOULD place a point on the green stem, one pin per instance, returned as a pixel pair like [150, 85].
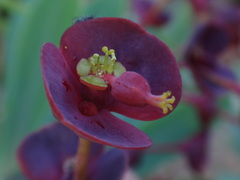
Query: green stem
[82, 159]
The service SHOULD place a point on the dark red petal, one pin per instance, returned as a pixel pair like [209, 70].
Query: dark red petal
[65, 100]
[211, 38]
[42, 154]
[196, 151]
[214, 38]
[148, 16]
[136, 49]
[111, 166]
[135, 157]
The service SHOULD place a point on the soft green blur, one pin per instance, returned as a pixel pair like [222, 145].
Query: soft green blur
[24, 107]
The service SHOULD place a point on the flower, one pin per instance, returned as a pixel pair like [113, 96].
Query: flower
[209, 42]
[49, 154]
[151, 13]
[83, 92]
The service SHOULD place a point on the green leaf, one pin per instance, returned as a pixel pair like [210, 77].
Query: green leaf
[181, 124]
[26, 106]
[174, 127]
[180, 26]
[106, 8]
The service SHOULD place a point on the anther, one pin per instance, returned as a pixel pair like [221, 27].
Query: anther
[105, 49]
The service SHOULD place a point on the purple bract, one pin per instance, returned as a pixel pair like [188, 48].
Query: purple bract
[209, 42]
[86, 110]
[49, 154]
[151, 13]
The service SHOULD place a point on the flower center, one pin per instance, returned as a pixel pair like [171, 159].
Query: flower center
[92, 70]
[100, 71]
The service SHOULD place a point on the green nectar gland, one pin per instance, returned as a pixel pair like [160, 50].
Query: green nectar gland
[92, 70]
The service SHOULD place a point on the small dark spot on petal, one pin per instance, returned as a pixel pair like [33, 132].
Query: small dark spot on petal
[100, 124]
[67, 86]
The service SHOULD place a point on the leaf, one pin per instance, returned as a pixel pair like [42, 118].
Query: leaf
[180, 26]
[106, 8]
[176, 127]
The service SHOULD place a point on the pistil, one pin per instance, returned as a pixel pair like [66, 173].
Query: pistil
[133, 89]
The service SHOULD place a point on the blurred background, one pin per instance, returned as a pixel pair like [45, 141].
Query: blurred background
[199, 140]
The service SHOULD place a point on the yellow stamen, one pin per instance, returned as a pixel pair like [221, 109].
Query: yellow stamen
[163, 101]
[105, 49]
[101, 65]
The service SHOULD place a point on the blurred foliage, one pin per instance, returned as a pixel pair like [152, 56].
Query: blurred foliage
[25, 25]
[26, 108]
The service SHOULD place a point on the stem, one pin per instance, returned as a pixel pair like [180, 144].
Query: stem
[82, 159]
[223, 81]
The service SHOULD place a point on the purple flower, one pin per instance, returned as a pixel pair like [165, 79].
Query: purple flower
[49, 154]
[85, 81]
[151, 13]
[210, 41]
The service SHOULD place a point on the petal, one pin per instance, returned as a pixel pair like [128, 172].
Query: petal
[42, 154]
[196, 151]
[135, 157]
[65, 99]
[212, 37]
[136, 49]
[110, 166]
[144, 11]
[46, 153]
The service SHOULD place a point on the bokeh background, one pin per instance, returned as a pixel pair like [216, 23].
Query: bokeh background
[25, 25]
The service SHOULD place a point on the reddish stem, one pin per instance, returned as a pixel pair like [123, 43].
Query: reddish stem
[223, 81]
[82, 159]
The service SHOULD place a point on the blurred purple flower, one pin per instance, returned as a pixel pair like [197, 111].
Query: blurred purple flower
[209, 42]
[195, 151]
[150, 13]
[49, 153]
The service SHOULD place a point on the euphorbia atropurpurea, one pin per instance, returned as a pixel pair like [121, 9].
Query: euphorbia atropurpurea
[49, 154]
[107, 65]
